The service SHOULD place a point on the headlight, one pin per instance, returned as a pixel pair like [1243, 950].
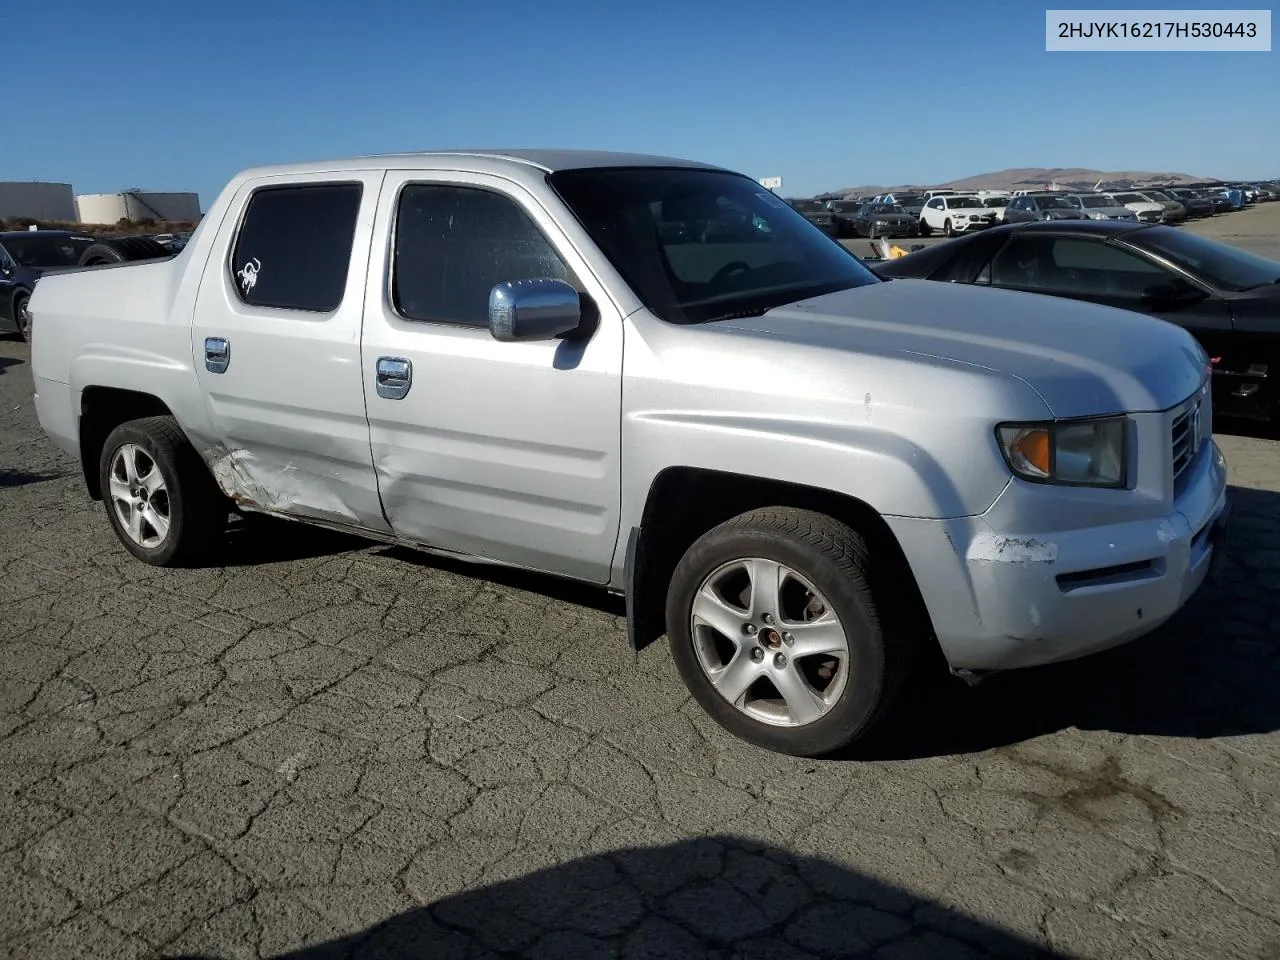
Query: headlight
[1090, 453]
[1098, 216]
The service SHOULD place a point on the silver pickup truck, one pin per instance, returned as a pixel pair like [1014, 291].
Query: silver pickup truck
[654, 376]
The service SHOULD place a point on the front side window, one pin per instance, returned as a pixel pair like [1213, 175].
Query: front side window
[454, 244]
[294, 246]
[632, 213]
[1071, 265]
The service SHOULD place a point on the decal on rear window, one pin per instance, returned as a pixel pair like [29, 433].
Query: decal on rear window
[248, 275]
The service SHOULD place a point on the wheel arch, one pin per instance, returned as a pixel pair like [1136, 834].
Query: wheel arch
[102, 409]
[684, 502]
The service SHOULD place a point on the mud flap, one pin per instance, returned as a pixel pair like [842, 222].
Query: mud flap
[642, 626]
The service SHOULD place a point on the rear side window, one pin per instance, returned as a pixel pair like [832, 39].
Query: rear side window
[454, 244]
[294, 246]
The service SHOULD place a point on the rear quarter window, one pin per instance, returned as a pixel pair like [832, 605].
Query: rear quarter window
[294, 246]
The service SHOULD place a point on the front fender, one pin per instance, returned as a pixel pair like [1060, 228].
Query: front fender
[892, 475]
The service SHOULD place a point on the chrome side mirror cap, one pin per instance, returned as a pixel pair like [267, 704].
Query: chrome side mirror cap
[533, 310]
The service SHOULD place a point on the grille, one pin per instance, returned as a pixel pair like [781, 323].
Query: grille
[1185, 437]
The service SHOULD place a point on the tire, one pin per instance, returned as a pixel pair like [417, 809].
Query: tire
[195, 509]
[947, 228]
[925, 229]
[21, 313]
[835, 561]
[122, 250]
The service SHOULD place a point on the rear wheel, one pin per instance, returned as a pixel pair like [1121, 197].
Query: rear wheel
[775, 630]
[160, 499]
[22, 313]
[122, 250]
[925, 229]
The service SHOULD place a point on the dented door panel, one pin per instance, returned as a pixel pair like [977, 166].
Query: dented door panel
[506, 451]
[289, 432]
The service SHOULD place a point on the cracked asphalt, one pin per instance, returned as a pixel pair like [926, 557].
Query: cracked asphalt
[323, 748]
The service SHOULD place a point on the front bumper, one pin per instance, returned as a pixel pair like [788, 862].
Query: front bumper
[965, 226]
[1003, 600]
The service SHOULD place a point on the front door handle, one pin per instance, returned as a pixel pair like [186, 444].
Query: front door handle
[217, 354]
[394, 377]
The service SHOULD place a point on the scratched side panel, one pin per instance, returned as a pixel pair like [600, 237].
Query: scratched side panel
[289, 433]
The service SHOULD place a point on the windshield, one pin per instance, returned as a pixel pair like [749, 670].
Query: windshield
[1155, 196]
[909, 200]
[883, 208]
[996, 202]
[1055, 203]
[1076, 202]
[846, 206]
[771, 257]
[954, 203]
[1098, 201]
[1226, 267]
[46, 251]
[808, 206]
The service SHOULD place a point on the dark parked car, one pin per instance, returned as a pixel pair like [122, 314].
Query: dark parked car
[24, 256]
[1227, 298]
[1197, 206]
[816, 212]
[884, 220]
[1041, 206]
[844, 211]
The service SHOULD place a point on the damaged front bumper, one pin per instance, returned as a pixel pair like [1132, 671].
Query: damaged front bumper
[1003, 601]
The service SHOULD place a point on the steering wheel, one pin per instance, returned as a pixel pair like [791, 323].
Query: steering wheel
[736, 266]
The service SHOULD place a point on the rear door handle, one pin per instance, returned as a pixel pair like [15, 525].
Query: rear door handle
[217, 354]
[394, 377]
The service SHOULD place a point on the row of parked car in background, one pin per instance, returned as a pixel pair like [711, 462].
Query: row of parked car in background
[953, 212]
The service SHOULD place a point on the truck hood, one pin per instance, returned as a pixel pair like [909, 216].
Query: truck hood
[1081, 358]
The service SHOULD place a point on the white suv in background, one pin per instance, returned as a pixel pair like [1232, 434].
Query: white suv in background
[956, 214]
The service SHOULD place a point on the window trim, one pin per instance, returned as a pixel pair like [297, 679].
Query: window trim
[229, 272]
[389, 297]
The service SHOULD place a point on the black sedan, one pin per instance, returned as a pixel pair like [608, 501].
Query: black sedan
[1227, 298]
[24, 255]
[816, 212]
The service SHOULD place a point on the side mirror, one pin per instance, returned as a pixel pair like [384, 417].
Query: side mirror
[533, 310]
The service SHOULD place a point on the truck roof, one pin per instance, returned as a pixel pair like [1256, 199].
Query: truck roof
[547, 160]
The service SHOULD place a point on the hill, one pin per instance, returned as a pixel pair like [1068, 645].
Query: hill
[1023, 178]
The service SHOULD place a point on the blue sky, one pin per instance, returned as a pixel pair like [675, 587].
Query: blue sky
[179, 95]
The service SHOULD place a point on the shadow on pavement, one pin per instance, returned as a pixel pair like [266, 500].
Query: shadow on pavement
[22, 478]
[256, 539]
[1211, 671]
[9, 362]
[715, 897]
[566, 591]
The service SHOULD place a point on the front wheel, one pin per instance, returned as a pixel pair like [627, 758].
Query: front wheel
[160, 499]
[948, 228]
[775, 630]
